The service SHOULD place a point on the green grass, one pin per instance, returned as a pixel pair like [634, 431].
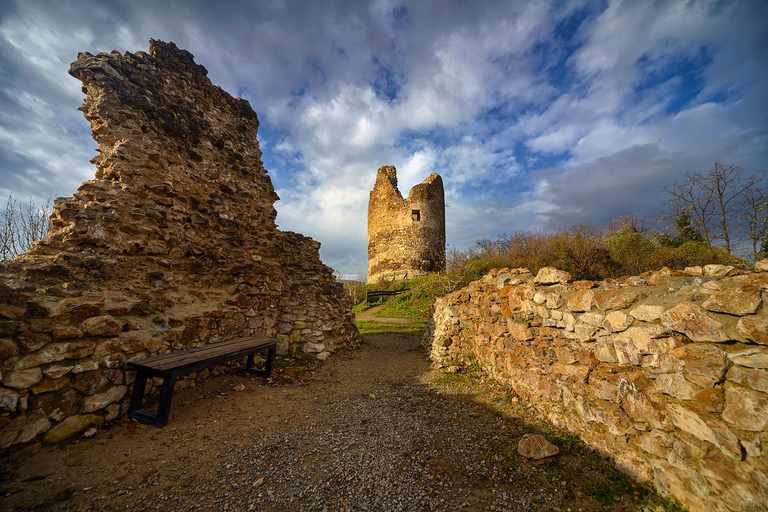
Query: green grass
[405, 306]
[371, 326]
[413, 305]
[359, 308]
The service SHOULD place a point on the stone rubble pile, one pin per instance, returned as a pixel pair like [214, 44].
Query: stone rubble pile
[174, 245]
[666, 372]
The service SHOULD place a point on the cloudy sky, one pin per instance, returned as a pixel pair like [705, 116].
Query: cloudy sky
[537, 114]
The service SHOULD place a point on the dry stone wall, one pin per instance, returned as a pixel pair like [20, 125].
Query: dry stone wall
[173, 245]
[667, 372]
[406, 236]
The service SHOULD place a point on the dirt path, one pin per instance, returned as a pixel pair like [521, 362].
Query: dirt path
[368, 314]
[375, 429]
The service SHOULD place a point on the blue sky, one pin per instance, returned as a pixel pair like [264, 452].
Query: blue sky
[538, 114]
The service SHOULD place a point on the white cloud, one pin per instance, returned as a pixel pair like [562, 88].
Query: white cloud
[475, 93]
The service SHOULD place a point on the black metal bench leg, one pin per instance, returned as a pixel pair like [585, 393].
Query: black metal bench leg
[166, 394]
[270, 361]
[137, 397]
[267, 371]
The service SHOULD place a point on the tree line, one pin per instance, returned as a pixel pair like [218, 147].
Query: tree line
[716, 217]
[21, 224]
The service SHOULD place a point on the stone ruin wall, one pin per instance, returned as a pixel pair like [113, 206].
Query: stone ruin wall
[173, 245]
[666, 373]
[398, 245]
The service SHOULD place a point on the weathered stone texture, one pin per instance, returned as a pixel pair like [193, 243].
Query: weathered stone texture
[406, 236]
[173, 245]
[667, 372]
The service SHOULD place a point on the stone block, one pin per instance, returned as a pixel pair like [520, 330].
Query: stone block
[30, 341]
[603, 389]
[700, 359]
[554, 300]
[534, 446]
[617, 321]
[675, 384]
[754, 328]
[647, 312]
[762, 265]
[604, 351]
[8, 348]
[685, 456]
[581, 300]
[564, 355]
[745, 408]
[101, 400]
[9, 399]
[616, 299]
[551, 275]
[89, 383]
[718, 270]
[71, 427]
[751, 358]
[34, 425]
[593, 319]
[519, 331]
[49, 386]
[585, 332]
[711, 399]
[10, 327]
[66, 332]
[634, 343]
[656, 442]
[56, 352]
[739, 300]
[706, 427]
[587, 358]
[751, 378]
[10, 312]
[694, 322]
[576, 373]
[22, 379]
[313, 348]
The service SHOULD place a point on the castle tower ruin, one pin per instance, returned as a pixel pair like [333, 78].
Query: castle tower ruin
[406, 236]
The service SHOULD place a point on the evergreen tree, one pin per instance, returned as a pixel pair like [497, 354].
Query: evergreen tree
[686, 231]
[763, 250]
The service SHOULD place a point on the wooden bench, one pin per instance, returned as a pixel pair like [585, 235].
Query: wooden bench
[170, 366]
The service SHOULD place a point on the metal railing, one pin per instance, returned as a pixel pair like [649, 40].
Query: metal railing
[378, 296]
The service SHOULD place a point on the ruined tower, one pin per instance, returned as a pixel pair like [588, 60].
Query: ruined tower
[406, 236]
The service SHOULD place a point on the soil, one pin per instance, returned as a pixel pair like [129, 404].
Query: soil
[373, 429]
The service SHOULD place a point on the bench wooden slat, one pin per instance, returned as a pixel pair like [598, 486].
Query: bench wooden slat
[197, 354]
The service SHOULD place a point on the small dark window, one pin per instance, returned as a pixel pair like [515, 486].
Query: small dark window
[415, 215]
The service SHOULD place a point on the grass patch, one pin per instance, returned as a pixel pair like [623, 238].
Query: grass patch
[359, 308]
[371, 326]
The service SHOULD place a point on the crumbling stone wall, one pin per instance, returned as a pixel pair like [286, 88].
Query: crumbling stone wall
[406, 236]
[667, 372]
[173, 245]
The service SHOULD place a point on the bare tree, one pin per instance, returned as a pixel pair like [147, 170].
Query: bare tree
[694, 198]
[754, 209]
[22, 224]
[728, 184]
[715, 200]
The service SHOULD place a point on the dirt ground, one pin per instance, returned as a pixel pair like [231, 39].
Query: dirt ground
[373, 429]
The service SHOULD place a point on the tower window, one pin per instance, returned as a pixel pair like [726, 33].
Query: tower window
[415, 215]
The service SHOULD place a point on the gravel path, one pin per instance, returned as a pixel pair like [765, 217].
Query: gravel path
[371, 430]
[368, 315]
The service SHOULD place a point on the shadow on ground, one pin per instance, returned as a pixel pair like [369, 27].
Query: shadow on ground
[374, 429]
